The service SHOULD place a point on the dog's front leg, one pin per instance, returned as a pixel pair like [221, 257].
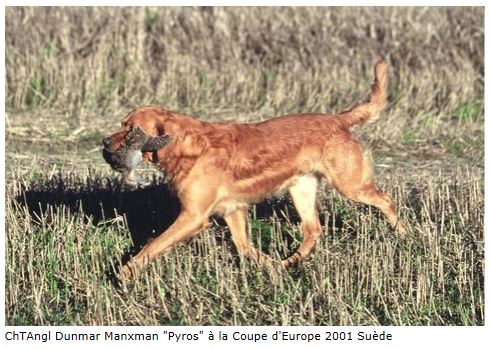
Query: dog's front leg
[187, 225]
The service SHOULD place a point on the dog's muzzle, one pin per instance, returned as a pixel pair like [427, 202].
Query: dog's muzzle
[130, 153]
[106, 142]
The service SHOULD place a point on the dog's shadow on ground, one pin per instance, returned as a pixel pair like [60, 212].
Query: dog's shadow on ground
[148, 211]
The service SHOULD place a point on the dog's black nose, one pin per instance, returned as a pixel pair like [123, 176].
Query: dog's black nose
[106, 142]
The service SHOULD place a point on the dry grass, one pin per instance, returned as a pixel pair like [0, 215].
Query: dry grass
[85, 67]
[73, 72]
[245, 60]
[360, 273]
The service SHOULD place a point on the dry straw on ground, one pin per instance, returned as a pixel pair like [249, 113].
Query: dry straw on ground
[73, 72]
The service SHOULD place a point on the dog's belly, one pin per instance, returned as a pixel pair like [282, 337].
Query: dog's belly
[233, 200]
[228, 206]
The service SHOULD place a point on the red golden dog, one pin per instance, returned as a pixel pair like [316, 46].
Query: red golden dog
[222, 168]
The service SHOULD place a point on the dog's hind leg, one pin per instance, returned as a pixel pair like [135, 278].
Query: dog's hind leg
[303, 193]
[370, 195]
[353, 178]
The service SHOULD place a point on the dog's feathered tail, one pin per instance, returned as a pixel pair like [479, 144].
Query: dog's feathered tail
[369, 112]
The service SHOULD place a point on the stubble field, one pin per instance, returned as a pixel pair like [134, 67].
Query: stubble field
[72, 73]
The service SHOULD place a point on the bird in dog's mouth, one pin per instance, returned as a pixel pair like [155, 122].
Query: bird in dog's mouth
[130, 154]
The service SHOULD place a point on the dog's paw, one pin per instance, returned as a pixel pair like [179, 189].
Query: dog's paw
[128, 272]
[292, 260]
[125, 273]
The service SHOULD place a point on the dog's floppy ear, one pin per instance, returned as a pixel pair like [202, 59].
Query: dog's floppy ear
[156, 143]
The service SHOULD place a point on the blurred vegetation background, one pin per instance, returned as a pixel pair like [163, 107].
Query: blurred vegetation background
[89, 65]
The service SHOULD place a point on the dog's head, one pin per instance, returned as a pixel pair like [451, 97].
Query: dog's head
[124, 150]
[149, 120]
